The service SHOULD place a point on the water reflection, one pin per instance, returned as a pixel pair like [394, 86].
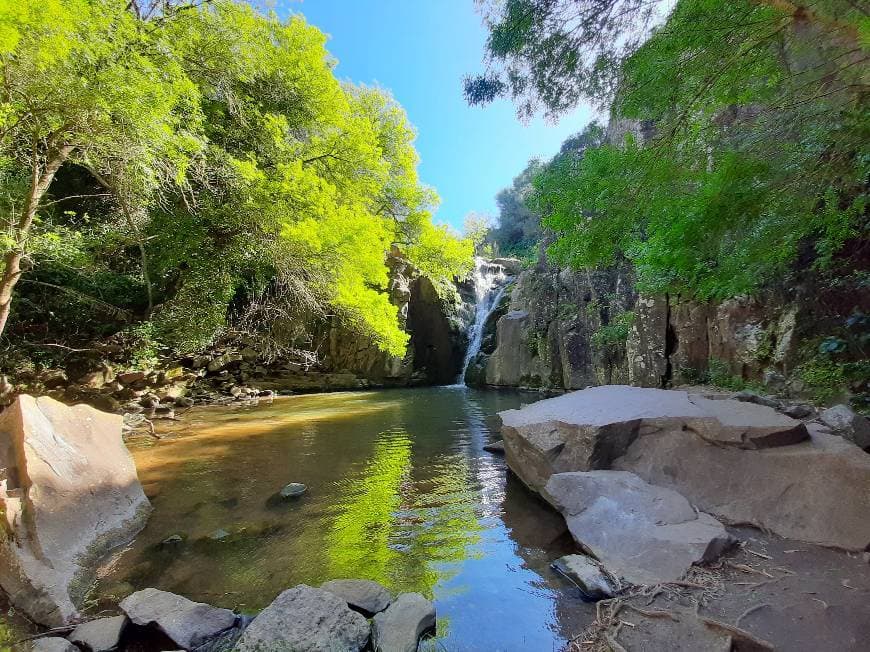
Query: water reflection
[400, 491]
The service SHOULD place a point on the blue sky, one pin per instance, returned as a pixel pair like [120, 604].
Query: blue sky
[420, 50]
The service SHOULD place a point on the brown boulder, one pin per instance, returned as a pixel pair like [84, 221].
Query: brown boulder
[68, 493]
[816, 491]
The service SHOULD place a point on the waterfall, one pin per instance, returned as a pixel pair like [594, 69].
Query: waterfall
[490, 282]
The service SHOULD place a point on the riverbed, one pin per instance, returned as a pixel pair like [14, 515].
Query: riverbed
[400, 491]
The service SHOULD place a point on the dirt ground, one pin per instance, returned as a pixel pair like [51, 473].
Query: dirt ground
[767, 594]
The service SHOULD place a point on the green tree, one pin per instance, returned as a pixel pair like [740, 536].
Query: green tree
[82, 82]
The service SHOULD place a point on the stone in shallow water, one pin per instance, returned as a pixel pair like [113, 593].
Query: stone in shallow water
[99, 635]
[219, 535]
[496, 447]
[399, 628]
[641, 533]
[589, 576]
[189, 624]
[305, 619]
[365, 596]
[293, 490]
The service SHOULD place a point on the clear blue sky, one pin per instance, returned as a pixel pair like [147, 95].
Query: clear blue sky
[420, 50]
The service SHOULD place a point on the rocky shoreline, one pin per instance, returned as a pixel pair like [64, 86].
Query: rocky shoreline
[347, 615]
[648, 480]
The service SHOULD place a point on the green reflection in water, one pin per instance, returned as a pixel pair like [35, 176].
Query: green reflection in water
[405, 531]
[357, 543]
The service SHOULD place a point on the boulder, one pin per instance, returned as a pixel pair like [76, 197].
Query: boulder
[588, 575]
[399, 628]
[188, 624]
[798, 411]
[69, 493]
[365, 596]
[223, 361]
[641, 533]
[52, 644]
[816, 491]
[589, 429]
[751, 397]
[99, 635]
[305, 619]
[849, 424]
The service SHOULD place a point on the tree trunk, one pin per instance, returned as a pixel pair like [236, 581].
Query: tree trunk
[39, 183]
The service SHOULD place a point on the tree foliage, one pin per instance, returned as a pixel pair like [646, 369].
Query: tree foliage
[738, 144]
[232, 159]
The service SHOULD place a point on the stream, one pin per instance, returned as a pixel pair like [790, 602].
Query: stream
[400, 491]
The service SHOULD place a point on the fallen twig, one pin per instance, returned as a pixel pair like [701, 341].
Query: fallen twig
[66, 629]
[758, 554]
[653, 613]
[749, 611]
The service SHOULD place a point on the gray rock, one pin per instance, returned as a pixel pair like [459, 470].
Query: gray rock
[365, 596]
[798, 411]
[149, 401]
[496, 447]
[219, 535]
[189, 624]
[751, 397]
[293, 490]
[99, 635]
[849, 424]
[589, 429]
[816, 491]
[588, 574]
[52, 644]
[399, 628]
[641, 533]
[173, 540]
[183, 402]
[305, 619]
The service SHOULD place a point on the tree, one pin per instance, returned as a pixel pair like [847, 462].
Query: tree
[757, 154]
[80, 83]
[475, 227]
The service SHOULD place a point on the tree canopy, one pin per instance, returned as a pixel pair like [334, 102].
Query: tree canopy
[738, 142]
[174, 161]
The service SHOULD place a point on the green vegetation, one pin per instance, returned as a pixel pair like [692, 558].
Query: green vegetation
[181, 167]
[749, 146]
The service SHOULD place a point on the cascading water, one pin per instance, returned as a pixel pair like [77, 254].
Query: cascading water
[490, 282]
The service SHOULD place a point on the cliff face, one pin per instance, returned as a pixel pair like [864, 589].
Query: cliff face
[567, 330]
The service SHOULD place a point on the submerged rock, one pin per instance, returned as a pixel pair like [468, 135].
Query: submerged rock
[69, 494]
[99, 635]
[399, 628]
[588, 574]
[293, 490]
[366, 596]
[189, 624]
[641, 533]
[589, 429]
[305, 619]
[497, 447]
[849, 424]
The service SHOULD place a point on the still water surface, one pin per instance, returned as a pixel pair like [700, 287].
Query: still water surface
[400, 491]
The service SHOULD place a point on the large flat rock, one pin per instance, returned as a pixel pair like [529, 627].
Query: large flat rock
[68, 494]
[588, 429]
[641, 533]
[399, 628]
[305, 619]
[816, 491]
